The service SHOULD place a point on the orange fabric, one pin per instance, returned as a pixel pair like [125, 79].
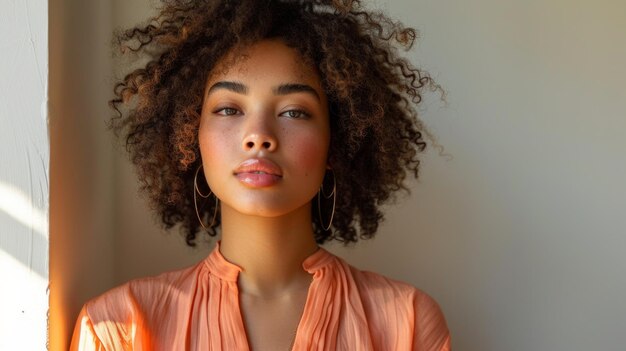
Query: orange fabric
[197, 308]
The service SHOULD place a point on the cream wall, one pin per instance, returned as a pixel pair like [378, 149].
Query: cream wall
[24, 174]
[520, 232]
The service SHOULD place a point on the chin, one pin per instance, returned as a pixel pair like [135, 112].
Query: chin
[264, 211]
[269, 209]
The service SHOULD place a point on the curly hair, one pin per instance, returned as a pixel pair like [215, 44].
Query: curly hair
[376, 135]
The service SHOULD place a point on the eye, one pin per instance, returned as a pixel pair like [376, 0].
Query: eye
[226, 111]
[296, 114]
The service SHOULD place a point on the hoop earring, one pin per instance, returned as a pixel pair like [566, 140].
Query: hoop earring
[195, 201]
[332, 194]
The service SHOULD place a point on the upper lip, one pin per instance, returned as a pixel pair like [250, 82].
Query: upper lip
[259, 165]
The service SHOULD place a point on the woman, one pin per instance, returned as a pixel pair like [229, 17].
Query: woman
[285, 124]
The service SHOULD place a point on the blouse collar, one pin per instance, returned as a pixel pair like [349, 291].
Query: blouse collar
[228, 271]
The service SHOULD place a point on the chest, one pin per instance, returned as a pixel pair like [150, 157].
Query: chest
[272, 324]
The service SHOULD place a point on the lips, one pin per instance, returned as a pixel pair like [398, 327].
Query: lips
[258, 172]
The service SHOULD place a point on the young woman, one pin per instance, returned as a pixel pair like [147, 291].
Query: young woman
[285, 124]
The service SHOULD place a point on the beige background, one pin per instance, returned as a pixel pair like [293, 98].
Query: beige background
[520, 234]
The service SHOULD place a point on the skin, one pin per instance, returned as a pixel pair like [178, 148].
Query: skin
[266, 230]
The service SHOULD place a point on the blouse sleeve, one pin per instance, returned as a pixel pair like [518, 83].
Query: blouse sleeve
[430, 332]
[85, 338]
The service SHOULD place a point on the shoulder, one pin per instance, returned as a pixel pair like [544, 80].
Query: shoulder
[395, 293]
[141, 292]
[374, 285]
[123, 308]
[414, 313]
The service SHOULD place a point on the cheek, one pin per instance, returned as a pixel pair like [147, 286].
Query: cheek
[311, 152]
[213, 146]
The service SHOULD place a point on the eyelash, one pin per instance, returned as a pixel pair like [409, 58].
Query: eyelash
[303, 113]
[224, 109]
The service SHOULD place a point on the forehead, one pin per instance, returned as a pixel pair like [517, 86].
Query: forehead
[265, 61]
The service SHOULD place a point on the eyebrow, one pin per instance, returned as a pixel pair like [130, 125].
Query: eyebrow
[283, 89]
[235, 87]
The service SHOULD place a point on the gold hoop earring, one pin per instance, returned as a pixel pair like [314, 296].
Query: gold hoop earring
[195, 200]
[332, 194]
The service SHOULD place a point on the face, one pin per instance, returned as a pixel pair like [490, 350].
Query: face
[264, 132]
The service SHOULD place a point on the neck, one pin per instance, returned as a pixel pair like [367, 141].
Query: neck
[270, 251]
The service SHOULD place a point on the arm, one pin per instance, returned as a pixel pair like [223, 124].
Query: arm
[85, 338]
[430, 332]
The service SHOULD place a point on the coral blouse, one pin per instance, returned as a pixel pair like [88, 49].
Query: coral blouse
[197, 308]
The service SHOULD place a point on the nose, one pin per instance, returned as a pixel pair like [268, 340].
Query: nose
[259, 135]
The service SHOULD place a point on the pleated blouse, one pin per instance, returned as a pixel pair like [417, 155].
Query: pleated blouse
[197, 308]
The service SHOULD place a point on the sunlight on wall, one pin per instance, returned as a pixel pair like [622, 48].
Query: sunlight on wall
[19, 207]
[21, 326]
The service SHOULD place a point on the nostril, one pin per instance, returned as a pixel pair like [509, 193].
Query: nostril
[253, 143]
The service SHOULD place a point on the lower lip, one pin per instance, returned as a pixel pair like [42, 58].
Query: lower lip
[258, 180]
